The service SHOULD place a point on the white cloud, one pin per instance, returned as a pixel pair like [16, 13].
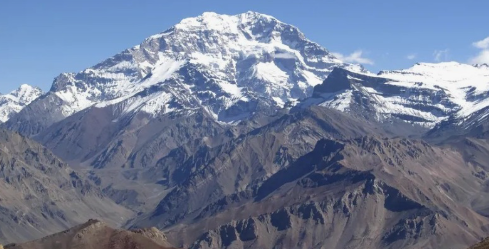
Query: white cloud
[482, 44]
[411, 56]
[355, 57]
[483, 56]
[441, 55]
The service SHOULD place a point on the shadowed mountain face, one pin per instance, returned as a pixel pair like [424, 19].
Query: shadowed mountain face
[39, 194]
[97, 235]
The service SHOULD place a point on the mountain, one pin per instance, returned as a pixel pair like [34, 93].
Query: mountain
[96, 234]
[238, 132]
[199, 176]
[129, 111]
[238, 65]
[114, 151]
[15, 101]
[425, 94]
[367, 192]
[40, 194]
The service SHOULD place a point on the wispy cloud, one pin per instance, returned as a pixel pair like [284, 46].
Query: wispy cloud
[411, 56]
[483, 56]
[355, 57]
[441, 55]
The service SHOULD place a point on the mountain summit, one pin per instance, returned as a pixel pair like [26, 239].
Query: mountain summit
[16, 100]
[229, 66]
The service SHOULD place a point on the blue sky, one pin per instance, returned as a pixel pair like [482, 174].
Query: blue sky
[40, 39]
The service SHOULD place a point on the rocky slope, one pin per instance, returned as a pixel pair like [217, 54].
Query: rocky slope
[198, 175]
[39, 194]
[362, 193]
[116, 153]
[238, 187]
[15, 101]
[139, 160]
[469, 135]
[97, 235]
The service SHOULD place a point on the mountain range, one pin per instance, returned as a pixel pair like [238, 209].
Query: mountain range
[239, 132]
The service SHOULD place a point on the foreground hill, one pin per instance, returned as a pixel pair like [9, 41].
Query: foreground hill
[97, 235]
[482, 245]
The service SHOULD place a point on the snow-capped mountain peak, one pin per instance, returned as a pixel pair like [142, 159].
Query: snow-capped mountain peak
[26, 93]
[229, 65]
[16, 100]
[224, 23]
